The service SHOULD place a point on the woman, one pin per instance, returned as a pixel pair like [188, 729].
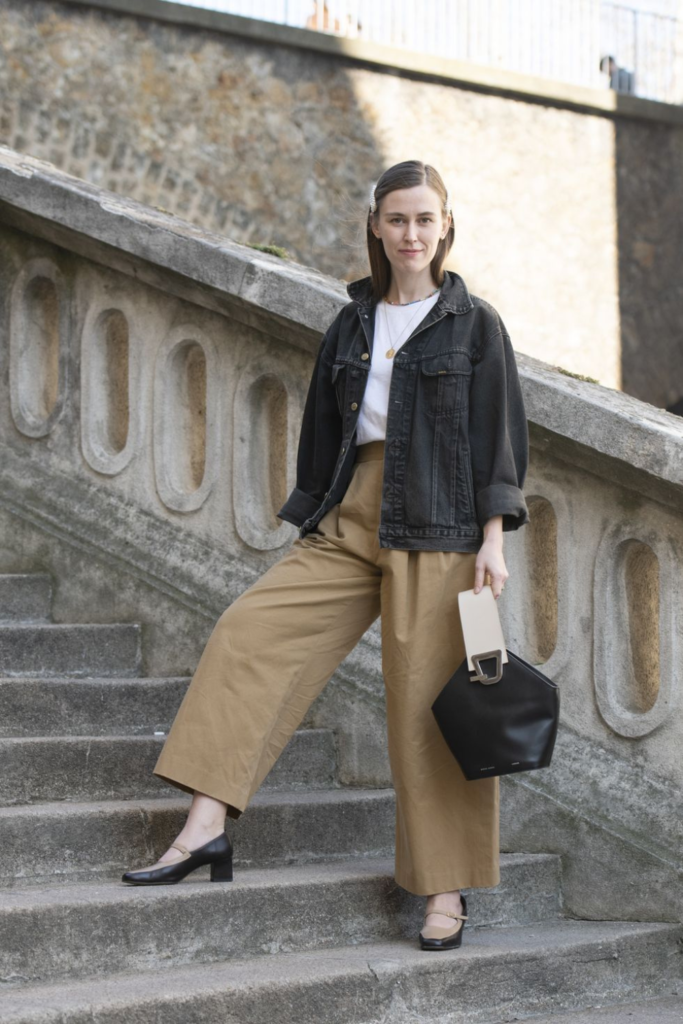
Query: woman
[412, 454]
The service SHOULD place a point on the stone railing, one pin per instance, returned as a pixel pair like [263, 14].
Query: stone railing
[152, 385]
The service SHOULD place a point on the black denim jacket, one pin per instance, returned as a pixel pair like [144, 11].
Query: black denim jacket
[457, 444]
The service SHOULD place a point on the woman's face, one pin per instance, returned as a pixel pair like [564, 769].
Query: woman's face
[410, 223]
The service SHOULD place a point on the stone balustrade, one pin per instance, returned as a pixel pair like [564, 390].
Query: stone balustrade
[152, 382]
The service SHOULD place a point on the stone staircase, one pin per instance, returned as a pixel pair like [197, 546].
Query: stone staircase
[313, 928]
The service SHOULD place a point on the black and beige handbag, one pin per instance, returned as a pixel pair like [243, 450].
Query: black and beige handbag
[497, 713]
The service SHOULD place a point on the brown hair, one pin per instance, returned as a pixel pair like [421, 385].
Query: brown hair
[405, 175]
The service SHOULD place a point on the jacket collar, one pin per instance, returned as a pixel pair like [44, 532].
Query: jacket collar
[454, 297]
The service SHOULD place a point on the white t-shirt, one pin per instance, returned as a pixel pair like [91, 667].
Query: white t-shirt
[372, 419]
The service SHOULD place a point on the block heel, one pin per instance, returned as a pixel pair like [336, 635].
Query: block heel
[221, 871]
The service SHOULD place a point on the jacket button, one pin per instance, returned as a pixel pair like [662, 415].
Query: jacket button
[365, 356]
[343, 450]
[354, 405]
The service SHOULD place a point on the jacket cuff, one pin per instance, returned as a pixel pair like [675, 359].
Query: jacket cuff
[505, 500]
[298, 507]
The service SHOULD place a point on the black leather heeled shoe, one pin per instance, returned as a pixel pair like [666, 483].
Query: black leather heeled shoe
[433, 937]
[217, 852]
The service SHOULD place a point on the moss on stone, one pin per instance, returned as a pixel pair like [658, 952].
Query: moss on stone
[274, 250]
[579, 376]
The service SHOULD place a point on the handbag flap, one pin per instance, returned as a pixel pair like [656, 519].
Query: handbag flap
[481, 626]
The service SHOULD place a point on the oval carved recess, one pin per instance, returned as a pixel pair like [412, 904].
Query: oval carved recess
[38, 327]
[265, 432]
[636, 599]
[187, 418]
[111, 403]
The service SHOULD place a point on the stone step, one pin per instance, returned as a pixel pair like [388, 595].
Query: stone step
[58, 649]
[86, 768]
[61, 931]
[64, 706]
[645, 1011]
[25, 597]
[530, 969]
[46, 843]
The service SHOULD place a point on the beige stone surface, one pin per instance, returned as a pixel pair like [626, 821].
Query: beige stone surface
[568, 221]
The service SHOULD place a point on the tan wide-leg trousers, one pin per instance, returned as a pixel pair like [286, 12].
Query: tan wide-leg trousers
[274, 649]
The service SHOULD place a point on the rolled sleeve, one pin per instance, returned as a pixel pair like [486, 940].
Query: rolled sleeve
[319, 438]
[499, 435]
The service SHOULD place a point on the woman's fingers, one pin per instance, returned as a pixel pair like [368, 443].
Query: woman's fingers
[479, 570]
[493, 576]
[498, 582]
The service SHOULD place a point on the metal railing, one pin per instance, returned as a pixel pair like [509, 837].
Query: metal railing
[566, 40]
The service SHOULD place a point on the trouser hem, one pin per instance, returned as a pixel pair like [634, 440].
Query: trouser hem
[428, 885]
[191, 781]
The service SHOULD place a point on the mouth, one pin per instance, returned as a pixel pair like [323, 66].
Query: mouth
[410, 252]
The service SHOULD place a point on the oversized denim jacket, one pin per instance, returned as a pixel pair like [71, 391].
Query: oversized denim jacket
[457, 444]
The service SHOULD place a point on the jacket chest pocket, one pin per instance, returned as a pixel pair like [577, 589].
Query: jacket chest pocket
[347, 382]
[445, 382]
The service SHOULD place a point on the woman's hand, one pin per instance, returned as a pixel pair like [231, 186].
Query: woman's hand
[490, 558]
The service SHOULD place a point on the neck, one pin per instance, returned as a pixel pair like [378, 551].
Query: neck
[407, 287]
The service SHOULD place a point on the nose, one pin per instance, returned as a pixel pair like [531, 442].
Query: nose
[410, 233]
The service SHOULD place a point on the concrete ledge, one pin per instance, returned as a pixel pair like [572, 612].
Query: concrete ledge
[462, 74]
[167, 252]
[588, 422]
[63, 842]
[120, 767]
[64, 931]
[88, 707]
[77, 650]
[537, 969]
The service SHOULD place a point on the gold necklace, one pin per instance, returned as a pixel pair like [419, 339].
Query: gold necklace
[392, 303]
[392, 351]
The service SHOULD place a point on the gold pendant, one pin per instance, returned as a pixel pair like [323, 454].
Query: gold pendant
[391, 353]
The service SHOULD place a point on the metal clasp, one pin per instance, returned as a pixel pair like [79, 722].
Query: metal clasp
[479, 675]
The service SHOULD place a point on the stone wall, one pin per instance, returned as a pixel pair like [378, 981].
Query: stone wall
[568, 208]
